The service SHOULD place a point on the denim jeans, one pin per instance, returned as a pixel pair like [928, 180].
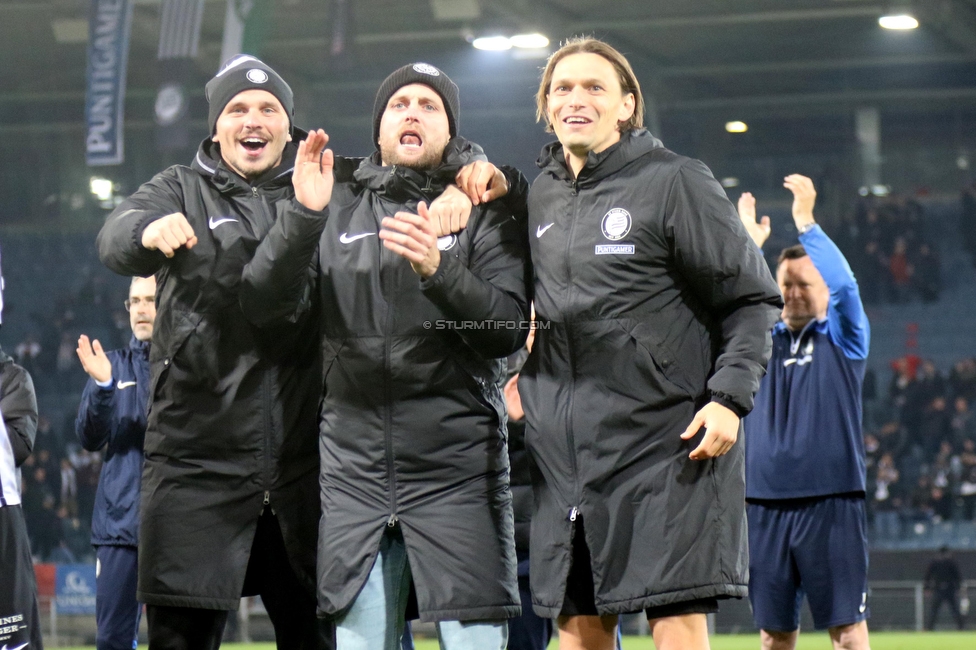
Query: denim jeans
[375, 620]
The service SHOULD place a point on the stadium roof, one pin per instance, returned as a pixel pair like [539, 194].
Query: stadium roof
[778, 57]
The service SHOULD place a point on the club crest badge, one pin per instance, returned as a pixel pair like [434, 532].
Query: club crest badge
[426, 68]
[616, 224]
[257, 75]
[446, 242]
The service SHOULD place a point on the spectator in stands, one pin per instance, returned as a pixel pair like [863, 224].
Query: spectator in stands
[935, 426]
[943, 580]
[962, 379]
[88, 465]
[963, 425]
[27, 353]
[901, 272]
[892, 438]
[69, 487]
[967, 481]
[928, 274]
[886, 500]
[922, 505]
[871, 272]
[929, 381]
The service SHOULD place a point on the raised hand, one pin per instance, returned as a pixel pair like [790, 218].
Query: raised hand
[413, 236]
[312, 178]
[450, 211]
[482, 182]
[721, 431]
[168, 234]
[758, 231]
[93, 359]
[804, 196]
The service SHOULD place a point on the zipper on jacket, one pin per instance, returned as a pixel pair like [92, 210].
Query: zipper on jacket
[267, 502]
[388, 390]
[268, 405]
[573, 513]
[392, 521]
[254, 192]
[570, 435]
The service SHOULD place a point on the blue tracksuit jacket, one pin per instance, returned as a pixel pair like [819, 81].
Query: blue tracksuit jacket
[803, 438]
[115, 417]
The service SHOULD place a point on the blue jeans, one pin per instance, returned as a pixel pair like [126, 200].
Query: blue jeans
[375, 620]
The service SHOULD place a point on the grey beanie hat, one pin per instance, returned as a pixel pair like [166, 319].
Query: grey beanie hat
[418, 73]
[245, 72]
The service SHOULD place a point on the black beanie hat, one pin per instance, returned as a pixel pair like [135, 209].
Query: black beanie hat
[417, 73]
[245, 72]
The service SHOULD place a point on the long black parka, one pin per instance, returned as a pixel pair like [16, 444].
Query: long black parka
[652, 301]
[413, 417]
[232, 416]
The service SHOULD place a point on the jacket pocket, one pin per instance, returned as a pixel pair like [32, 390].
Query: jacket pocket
[664, 360]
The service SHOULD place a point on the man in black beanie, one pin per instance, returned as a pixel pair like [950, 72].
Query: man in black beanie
[416, 505]
[229, 502]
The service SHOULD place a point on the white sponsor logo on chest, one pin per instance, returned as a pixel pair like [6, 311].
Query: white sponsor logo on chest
[615, 226]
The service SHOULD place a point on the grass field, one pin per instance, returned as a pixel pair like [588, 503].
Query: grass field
[811, 641]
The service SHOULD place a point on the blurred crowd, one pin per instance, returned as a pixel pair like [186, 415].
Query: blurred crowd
[885, 244]
[920, 439]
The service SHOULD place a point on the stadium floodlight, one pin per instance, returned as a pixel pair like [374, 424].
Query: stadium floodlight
[102, 188]
[730, 181]
[492, 43]
[898, 21]
[529, 41]
[736, 126]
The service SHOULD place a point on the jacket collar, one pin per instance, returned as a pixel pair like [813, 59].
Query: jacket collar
[633, 144]
[403, 184]
[209, 163]
[139, 347]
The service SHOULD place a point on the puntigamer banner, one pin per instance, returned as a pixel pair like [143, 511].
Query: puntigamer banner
[108, 53]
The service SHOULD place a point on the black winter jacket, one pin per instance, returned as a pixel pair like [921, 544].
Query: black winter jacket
[18, 404]
[413, 418]
[114, 417]
[18, 408]
[231, 424]
[652, 301]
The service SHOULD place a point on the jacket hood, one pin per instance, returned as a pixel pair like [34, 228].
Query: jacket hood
[209, 162]
[402, 183]
[633, 144]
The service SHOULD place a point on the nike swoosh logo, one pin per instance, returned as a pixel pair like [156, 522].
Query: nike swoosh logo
[540, 231]
[20, 647]
[346, 238]
[125, 384]
[214, 224]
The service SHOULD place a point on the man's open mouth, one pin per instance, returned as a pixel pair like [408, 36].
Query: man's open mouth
[411, 138]
[254, 145]
[573, 120]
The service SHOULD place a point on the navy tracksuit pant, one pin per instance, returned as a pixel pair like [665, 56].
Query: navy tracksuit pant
[117, 611]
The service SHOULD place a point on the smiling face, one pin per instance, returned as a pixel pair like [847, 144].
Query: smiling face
[805, 294]
[414, 129]
[142, 307]
[585, 104]
[252, 131]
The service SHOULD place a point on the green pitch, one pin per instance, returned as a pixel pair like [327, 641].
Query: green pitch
[808, 641]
